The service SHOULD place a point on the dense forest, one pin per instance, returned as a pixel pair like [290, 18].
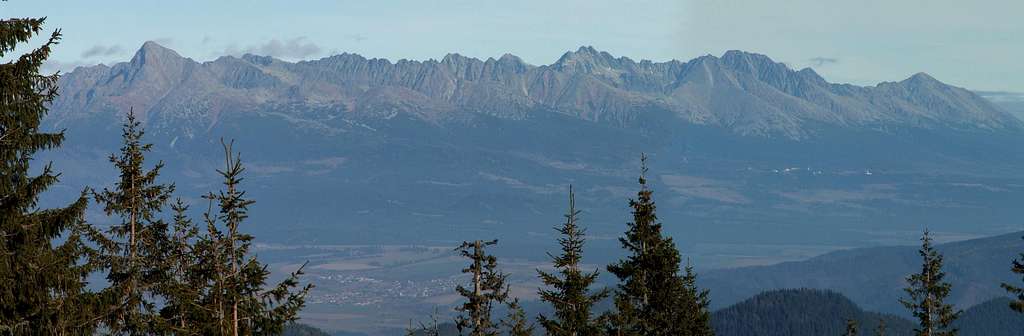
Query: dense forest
[802, 312]
[169, 273]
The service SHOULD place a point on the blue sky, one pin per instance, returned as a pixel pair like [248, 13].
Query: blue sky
[976, 44]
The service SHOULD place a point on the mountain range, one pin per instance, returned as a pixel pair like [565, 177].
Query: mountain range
[746, 93]
[752, 162]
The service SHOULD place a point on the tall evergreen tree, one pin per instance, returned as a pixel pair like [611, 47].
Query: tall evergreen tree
[516, 323]
[133, 250]
[183, 288]
[880, 331]
[1018, 268]
[927, 292]
[697, 309]
[489, 289]
[570, 294]
[851, 327]
[652, 298]
[42, 281]
[236, 302]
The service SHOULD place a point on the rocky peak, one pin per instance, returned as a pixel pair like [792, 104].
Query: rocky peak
[921, 79]
[259, 60]
[586, 59]
[155, 54]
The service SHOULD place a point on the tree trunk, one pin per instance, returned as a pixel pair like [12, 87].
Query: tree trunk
[477, 268]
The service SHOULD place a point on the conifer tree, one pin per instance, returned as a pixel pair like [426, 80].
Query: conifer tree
[489, 289]
[516, 323]
[1017, 304]
[133, 250]
[652, 298]
[431, 329]
[697, 309]
[183, 288]
[241, 305]
[851, 327]
[570, 295]
[927, 292]
[42, 281]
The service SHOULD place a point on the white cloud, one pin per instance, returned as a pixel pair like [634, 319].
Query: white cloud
[296, 48]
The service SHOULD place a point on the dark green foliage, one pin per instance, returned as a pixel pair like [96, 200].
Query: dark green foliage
[927, 292]
[1018, 268]
[234, 301]
[298, 329]
[133, 251]
[516, 323]
[652, 298]
[851, 328]
[489, 289]
[570, 295]
[183, 288]
[800, 312]
[990, 318]
[41, 284]
[697, 306]
[813, 312]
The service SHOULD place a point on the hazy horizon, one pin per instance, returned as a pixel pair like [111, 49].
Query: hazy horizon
[861, 43]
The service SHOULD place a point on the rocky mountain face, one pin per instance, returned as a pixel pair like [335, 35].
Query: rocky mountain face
[745, 93]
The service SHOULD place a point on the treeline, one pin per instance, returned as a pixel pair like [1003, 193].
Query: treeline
[653, 297]
[803, 312]
[165, 273]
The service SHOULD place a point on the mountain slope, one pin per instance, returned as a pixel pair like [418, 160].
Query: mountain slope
[874, 277]
[795, 312]
[800, 312]
[991, 318]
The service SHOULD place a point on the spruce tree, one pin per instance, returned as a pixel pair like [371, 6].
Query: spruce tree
[851, 327]
[927, 292]
[133, 250]
[236, 302]
[516, 323]
[489, 289]
[1017, 304]
[42, 279]
[570, 294]
[697, 309]
[652, 298]
[182, 289]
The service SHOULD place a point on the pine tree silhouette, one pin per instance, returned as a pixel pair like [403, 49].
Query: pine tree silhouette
[927, 292]
[42, 280]
[570, 293]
